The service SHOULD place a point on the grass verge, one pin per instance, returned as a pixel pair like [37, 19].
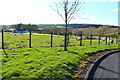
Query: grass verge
[45, 63]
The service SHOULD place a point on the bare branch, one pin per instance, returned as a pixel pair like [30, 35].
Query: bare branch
[72, 6]
[74, 10]
[67, 9]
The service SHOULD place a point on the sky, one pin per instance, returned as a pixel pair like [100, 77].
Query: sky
[40, 12]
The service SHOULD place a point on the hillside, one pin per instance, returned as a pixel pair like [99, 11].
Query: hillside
[74, 25]
[59, 25]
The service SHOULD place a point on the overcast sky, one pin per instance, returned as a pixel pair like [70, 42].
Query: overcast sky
[39, 12]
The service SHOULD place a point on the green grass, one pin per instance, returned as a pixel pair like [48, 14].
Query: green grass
[58, 26]
[40, 40]
[45, 63]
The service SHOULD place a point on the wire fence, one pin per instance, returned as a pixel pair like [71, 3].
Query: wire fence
[35, 40]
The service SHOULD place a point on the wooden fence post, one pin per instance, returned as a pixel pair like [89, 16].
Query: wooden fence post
[99, 39]
[106, 40]
[2, 39]
[116, 40]
[90, 39]
[30, 39]
[65, 42]
[51, 39]
[81, 40]
[109, 40]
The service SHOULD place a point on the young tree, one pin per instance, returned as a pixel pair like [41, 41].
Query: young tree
[103, 29]
[67, 10]
[91, 30]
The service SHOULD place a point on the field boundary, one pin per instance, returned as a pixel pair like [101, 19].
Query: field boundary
[29, 42]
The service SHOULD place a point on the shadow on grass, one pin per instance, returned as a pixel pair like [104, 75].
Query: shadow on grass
[82, 56]
[5, 53]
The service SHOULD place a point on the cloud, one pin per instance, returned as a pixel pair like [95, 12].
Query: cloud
[24, 11]
[35, 12]
[84, 18]
[118, 9]
[92, 20]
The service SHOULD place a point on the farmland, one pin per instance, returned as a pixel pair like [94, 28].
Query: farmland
[40, 40]
[44, 63]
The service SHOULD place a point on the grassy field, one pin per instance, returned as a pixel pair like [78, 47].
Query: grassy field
[44, 63]
[49, 63]
[13, 40]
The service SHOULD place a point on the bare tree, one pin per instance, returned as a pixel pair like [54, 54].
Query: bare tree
[67, 10]
[103, 29]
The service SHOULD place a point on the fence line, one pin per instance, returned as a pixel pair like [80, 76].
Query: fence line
[65, 41]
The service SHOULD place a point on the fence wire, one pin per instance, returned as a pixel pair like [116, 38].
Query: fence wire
[22, 40]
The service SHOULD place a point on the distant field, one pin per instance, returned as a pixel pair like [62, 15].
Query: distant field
[14, 40]
[58, 26]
